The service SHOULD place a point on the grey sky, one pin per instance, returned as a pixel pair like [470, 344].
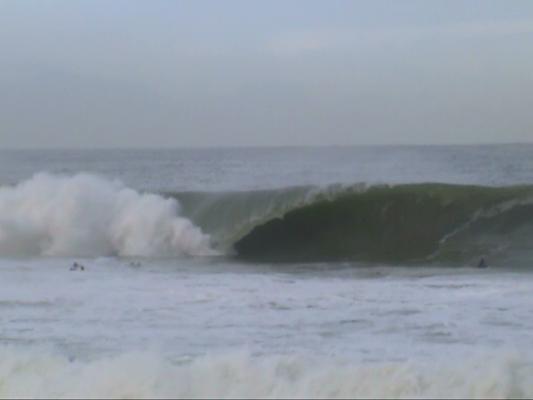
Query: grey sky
[157, 73]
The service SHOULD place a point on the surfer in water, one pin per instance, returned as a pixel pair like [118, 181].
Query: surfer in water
[77, 267]
[482, 263]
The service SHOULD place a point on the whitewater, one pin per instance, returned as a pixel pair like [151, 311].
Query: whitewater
[273, 273]
[86, 215]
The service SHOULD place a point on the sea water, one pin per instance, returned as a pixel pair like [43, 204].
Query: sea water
[167, 307]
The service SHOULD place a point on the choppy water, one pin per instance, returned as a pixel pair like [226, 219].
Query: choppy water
[163, 309]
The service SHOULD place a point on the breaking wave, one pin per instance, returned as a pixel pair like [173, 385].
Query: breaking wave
[85, 215]
[35, 374]
[421, 222]
[394, 224]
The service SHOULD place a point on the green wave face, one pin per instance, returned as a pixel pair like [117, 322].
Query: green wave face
[395, 224]
[228, 216]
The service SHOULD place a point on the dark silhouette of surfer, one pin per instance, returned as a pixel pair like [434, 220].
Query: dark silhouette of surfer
[482, 263]
[77, 267]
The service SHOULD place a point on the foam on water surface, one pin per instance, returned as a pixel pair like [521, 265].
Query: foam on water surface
[42, 374]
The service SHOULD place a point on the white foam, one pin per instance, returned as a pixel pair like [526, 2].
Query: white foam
[34, 374]
[86, 215]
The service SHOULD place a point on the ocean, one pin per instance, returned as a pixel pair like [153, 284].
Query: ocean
[267, 272]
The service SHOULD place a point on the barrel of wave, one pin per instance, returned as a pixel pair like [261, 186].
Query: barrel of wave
[397, 224]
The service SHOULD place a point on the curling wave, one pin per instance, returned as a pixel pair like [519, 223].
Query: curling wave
[395, 224]
[85, 215]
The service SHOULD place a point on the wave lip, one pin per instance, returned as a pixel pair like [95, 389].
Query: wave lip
[86, 215]
[395, 224]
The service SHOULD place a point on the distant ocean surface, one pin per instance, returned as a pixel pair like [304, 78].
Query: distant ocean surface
[275, 272]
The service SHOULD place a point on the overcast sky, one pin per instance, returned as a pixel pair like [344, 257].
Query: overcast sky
[158, 73]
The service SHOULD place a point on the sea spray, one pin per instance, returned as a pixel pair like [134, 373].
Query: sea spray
[86, 215]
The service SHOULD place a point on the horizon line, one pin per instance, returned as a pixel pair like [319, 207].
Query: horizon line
[259, 146]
